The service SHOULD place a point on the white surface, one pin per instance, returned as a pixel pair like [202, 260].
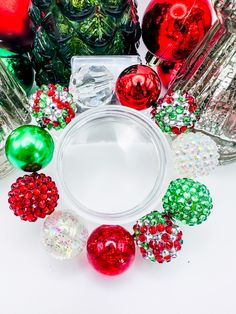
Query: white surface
[200, 281]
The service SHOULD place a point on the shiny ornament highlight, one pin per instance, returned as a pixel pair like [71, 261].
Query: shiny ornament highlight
[110, 249]
[167, 72]
[176, 113]
[138, 87]
[29, 148]
[33, 196]
[188, 201]
[172, 29]
[64, 235]
[15, 25]
[158, 237]
[194, 154]
[52, 107]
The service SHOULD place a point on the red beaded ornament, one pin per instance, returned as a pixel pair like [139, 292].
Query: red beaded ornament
[173, 28]
[158, 237]
[33, 196]
[138, 87]
[110, 249]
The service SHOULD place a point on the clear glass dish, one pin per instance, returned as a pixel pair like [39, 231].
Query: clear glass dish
[113, 164]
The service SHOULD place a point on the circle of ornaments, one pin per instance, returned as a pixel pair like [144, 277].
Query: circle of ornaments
[176, 113]
[52, 106]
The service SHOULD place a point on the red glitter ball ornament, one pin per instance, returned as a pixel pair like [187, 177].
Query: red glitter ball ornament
[138, 87]
[15, 25]
[167, 72]
[33, 196]
[110, 249]
[173, 28]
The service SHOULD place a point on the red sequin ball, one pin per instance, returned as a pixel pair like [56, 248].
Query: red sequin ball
[158, 237]
[110, 249]
[138, 87]
[33, 196]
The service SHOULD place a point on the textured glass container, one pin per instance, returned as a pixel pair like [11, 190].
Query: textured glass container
[113, 164]
[13, 112]
[209, 74]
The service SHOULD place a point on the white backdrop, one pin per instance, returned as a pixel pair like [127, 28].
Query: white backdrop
[200, 281]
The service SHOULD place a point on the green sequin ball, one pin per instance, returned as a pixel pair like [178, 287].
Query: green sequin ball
[188, 201]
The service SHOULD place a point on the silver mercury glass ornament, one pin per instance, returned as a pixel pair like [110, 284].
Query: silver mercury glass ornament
[209, 74]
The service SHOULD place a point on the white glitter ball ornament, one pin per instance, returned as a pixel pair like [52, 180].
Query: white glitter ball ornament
[194, 154]
[64, 235]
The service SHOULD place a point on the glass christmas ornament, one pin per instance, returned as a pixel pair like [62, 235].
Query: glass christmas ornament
[158, 237]
[20, 67]
[68, 28]
[33, 196]
[64, 235]
[209, 74]
[194, 154]
[13, 112]
[93, 78]
[172, 29]
[167, 72]
[15, 25]
[52, 107]
[138, 87]
[29, 148]
[188, 201]
[113, 164]
[176, 113]
[110, 250]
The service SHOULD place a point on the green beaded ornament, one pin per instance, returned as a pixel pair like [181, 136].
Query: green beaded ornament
[188, 201]
[29, 148]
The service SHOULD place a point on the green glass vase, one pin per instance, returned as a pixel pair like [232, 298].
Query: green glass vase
[65, 28]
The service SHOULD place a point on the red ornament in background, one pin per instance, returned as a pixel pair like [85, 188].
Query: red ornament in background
[167, 72]
[173, 28]
[15, 25]
[138, 87]
[33, 196]
[110, 249]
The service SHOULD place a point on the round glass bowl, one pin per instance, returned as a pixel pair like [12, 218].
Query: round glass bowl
[113, 164]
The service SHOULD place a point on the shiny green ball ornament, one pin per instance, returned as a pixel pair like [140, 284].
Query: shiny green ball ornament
[29, 148]
[188, 201]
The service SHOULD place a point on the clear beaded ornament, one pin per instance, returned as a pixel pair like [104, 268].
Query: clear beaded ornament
[194, 154]
[64, 235]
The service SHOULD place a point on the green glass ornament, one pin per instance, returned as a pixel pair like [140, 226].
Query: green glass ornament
[188, 201]
[20, 67]
[67, 28]
[29, 148]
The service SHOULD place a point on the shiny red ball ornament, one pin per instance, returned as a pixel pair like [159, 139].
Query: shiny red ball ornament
[173, 28]
[33, 196]
[167, 72]
[110, 249]
[15, 25]
[138, 87]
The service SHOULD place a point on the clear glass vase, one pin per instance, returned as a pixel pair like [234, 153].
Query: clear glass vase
[13, 112]
[209, 74]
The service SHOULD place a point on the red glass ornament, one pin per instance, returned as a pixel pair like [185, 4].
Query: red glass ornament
[110, 249]
[173, 28]
[138, 87]
[167, 72]
[33, 196]
[15, 25]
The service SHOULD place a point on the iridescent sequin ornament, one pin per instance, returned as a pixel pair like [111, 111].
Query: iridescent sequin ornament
[64, 235]
[188, 201]
[194, 154]
[52, 107]
[176, 113]
[158, 237]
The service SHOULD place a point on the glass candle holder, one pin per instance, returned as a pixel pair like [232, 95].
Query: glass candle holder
[113, 164]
